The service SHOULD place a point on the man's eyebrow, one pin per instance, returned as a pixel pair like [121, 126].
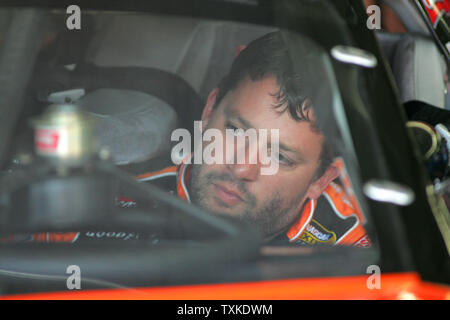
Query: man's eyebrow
[237, 116]
[299, 155]
[284, 147]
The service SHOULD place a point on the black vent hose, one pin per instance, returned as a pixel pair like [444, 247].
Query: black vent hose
[17, 57]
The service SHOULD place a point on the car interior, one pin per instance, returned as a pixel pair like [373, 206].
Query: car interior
[141, 84]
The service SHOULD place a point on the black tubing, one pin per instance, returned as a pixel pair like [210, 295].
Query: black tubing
[17, 58]
[422, 111]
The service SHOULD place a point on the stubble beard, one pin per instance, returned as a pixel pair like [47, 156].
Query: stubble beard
[271, 218]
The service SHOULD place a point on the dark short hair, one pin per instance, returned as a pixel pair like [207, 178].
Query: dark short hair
[269, 56]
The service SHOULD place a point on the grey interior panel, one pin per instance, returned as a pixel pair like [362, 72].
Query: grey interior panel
[200, 51]
[419, 70]
[417, 66]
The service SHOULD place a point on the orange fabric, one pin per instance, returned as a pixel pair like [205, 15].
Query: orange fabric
[306, 216]
[344, 206]
[55, 236]
[181, 190]
[345, 181]
[344, 202]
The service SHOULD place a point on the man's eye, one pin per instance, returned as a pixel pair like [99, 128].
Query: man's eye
[282, 159]
[236, 131]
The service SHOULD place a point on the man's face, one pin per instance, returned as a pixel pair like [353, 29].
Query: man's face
[270, 202]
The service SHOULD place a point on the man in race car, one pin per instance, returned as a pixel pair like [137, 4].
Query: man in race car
[300, 202]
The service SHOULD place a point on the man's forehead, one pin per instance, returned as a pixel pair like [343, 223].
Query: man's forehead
[253, 99]
[257, 93]
[253, 105]
[258, 100]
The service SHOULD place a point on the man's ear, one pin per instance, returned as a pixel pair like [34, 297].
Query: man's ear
[318, 186]
[208, 109]
[238, 50]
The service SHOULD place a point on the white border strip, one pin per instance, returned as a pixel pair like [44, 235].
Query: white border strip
[167, 174]
[76, 237]
[182, 183]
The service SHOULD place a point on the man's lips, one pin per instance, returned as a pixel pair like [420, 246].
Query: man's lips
[226, 194]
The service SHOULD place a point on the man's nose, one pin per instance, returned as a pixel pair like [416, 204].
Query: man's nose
[247, 164]
[246, 172]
